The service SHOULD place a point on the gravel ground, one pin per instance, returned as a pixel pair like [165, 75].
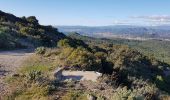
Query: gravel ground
[9, 62]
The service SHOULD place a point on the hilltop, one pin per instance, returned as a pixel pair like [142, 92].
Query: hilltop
[16, 32]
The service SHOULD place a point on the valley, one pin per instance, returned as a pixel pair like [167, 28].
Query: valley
[121, 31]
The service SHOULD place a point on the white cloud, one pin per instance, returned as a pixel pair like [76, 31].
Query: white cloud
[154, 19]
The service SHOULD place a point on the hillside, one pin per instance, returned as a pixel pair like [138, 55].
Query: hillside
[156, 48]
[126, 73]
[18, 32]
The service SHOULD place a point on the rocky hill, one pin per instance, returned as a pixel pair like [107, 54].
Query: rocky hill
[26, 32]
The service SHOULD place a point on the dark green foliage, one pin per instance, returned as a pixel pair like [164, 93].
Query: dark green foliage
[5, 17]
[163, 83]
[28, 31]
[74, 43]
[155, 48]
[65, 43]
[7, 41]
[32, 19]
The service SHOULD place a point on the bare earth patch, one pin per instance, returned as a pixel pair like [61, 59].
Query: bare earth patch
[10, 61]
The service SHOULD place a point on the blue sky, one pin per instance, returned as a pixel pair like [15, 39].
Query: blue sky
[91, 12]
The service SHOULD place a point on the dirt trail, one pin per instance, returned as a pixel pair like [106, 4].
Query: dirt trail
[9, 62]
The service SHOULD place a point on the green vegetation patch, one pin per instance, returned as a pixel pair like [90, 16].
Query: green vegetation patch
[28, 69]
[74, 95]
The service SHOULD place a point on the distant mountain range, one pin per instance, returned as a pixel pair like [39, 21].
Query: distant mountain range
[121, 31]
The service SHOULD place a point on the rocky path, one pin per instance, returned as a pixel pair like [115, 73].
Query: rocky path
[10, 61]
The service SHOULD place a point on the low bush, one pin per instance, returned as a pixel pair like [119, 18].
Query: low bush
[40, 50]
[31, 92]
[74, 95]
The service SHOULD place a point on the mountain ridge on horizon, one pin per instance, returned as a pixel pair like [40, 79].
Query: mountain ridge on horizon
[158, 32]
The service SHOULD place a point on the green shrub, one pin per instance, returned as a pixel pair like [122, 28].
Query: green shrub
[64, 43]
[122, 94]
[74, 43]
[78, 58]
[33, 75]
[40, 50]
[148, 92]
[74, 95]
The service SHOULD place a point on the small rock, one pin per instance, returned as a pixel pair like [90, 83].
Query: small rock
[15, 75]
[91, 97]
[57, 97]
